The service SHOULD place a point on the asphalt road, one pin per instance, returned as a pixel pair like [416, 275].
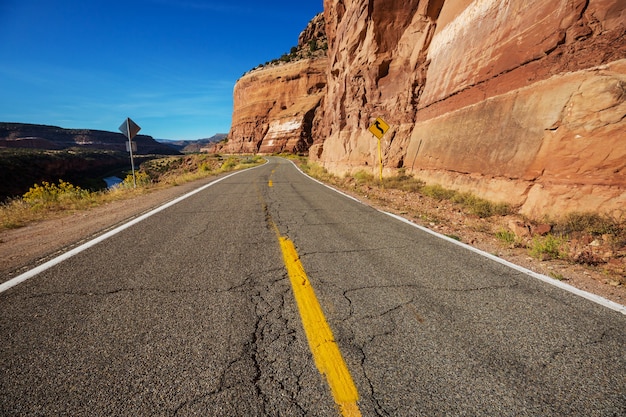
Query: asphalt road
[191, 312]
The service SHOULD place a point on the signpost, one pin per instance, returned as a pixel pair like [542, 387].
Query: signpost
[130, 129]
[378, 129]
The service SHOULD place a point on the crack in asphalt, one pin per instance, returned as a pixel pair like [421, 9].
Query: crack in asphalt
[259, 363]
[383, 325]
[558, 352]
[359, 348]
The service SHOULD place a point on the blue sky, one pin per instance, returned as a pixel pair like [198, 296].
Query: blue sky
[170, 65]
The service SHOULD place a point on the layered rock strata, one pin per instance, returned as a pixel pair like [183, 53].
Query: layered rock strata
[275, 105]
[24, 135]
[520, 101]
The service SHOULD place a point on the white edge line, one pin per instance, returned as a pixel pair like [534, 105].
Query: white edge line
[31, 273]
[567, 287]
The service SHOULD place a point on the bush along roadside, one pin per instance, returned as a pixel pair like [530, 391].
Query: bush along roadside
[54, 199]
[589, 239]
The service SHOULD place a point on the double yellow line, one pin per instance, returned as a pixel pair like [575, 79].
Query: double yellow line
[322, 343]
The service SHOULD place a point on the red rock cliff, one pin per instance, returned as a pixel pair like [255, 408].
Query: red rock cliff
[274, 105]
[521, 101]
[274, 108]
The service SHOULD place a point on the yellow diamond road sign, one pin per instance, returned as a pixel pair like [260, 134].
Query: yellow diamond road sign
[379, 128]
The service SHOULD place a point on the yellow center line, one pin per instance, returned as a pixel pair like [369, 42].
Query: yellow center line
[271, 183]
[322, 343]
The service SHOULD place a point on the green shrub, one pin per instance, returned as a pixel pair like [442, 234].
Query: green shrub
[252, 160]
[481, 207]
[404, 182]
[141, 178]
[16, 213]
[470, 203]
[230, 163]
[592, 223]
[556, 275]
[363, 177]
[437, 192]
[548, 247]
[506, 236]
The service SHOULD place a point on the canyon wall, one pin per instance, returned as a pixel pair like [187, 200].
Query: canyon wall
[275, 104]
[522, 101]
[275, 108]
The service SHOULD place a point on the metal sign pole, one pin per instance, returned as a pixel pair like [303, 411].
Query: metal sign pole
[380, 160]
[130, 148]
[378, 129]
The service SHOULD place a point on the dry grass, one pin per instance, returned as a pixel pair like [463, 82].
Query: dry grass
[48, 200]
[589, 239]
[466, 201]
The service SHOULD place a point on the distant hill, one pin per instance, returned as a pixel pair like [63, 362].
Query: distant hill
[32, 136]
[32, 153]
[189, 146]
[20, 168]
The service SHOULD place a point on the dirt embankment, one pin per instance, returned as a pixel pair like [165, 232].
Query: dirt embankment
[605, 279]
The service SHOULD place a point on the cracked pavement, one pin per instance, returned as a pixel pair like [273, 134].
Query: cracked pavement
[190, 312]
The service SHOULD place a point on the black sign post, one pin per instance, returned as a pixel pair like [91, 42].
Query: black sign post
[130, 129]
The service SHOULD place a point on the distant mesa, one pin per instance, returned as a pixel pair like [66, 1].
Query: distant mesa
[33, 136]
[190, 146]
[30, 154]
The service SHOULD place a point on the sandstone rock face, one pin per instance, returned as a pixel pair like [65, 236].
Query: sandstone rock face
[544, 147]
[521, 101]
[275, 106]
[377, 68]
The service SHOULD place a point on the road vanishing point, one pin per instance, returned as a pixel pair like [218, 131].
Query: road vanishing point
[266, 293]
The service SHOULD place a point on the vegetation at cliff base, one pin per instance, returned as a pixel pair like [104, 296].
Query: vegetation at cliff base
[591, 239]
[548, 247]
[401, 181]
[49, 199]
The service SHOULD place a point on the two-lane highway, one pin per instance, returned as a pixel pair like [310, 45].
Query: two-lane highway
[202, 309]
